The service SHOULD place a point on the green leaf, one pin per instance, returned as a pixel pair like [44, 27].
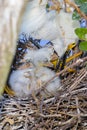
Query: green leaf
[80, 2]
[83, 46]
[81, 33]
[76, 16]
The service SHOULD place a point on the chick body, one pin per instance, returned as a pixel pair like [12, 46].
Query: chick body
[40, 24]
[40, 56]
[25, 82]
[52, 26]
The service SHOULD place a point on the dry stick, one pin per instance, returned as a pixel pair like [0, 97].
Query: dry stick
[83, 73]
[77, 9]
[78, 111]
[74, 92]
[64, 95]
[60, 114]
[50, 115]
[60, 123]
[67, 68]
[49, 100]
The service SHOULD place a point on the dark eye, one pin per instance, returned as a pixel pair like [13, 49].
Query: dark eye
[47, 7]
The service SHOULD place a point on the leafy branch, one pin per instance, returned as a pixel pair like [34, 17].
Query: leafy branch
[80, 11]
[82, 34]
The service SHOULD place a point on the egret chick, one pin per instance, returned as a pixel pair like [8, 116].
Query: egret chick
[25, 82]
[57, 27]
[51, 25]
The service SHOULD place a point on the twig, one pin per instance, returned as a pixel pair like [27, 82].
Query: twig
[49, 116]
[64, 95]
[77, 9]
[83, 73]
[62, 113]
[73, 115]
[74, 92]
[64, 70]
[49, 100]
[36, 99]
[58, 115]
[78, 111]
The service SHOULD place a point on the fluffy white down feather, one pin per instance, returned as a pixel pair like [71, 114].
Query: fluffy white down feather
[39, 56]
[53, 26]
[26, 81]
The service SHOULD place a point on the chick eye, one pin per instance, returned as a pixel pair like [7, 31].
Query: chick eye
[47, 7]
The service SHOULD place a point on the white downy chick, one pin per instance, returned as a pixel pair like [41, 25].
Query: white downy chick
[20, 82]
[24, 82]
[43, 75]
[40, 24]
[40, 56]
[49, 25]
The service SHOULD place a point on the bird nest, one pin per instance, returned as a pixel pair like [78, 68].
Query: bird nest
[65, 111]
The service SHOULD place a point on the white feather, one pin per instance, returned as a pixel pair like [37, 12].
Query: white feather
[39, 56]
[52, 26]
[26, 81]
